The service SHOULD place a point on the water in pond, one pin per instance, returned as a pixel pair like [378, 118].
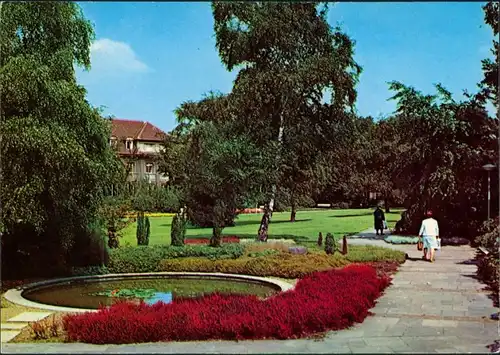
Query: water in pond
[91, 294]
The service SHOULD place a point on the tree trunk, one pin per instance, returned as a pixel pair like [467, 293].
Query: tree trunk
[294, 210]
[215, 241]
[268, 210]
[386, 203]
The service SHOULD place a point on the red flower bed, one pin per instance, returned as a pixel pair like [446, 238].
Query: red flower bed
[250, 210]
[322, 301]
[231, 239]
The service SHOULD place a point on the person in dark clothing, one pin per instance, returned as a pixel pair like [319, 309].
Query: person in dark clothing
[379, 220]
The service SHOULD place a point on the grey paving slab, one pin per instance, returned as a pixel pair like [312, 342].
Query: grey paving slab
[13, 326]
[8, 335]
[29, 317]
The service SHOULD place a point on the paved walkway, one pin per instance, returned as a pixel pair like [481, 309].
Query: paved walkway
[430, 308]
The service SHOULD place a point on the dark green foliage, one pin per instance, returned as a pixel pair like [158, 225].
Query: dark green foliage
[203, 215]
[489, 84]
[143, 199]
[90, 249]
[178, 230]
[55, 142]
[224, 169]
[320, 239]
[147, 258]
[112, 213]
[89, 271]
[139, 233]
[147, 231]
[143, 229]
[113, 241]
[329, 244]
[442, 146]
[489, 265]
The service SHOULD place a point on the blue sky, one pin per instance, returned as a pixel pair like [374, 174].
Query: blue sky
[149, 57]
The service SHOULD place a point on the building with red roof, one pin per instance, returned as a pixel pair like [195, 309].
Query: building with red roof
[138, 144]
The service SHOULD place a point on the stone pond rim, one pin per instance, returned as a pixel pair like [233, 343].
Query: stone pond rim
[15, 296]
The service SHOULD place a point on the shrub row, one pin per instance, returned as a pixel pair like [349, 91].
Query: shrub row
[330, 300]
[489, 265]
[147, 258]
[89, 271]
[449, 241]
[285, 265]
[368, 253]
[394, 239]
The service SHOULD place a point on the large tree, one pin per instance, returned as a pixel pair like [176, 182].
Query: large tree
[442, 146]
[55, 143]
[489, 84]
[223, 171]
[288, 58]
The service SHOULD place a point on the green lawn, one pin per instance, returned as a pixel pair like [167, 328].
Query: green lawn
[305, 229]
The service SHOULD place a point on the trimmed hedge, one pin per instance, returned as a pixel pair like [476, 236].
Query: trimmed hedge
[369, 253]
[147, 258]
[89, 271]
[283, 265]
[394, 239]
[323, 301]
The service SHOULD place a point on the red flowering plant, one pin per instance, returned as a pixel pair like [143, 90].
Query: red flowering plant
[322, 301]
[229, 239]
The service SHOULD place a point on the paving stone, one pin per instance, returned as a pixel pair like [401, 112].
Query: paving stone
[356, 343]
[372, 350]
[452, 313]
[439, 323]
[386, 321]
[321, 348]
[8, 335]
[385, 341]
[473, 348]
[421, 331]
[13, 326]
[30, 316]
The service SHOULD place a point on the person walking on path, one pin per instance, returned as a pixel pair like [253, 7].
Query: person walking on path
[379, 218]
[429, 232]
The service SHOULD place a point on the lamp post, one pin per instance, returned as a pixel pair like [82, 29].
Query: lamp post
[488, 168]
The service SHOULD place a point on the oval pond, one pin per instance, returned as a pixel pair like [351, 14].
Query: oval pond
[90, 294]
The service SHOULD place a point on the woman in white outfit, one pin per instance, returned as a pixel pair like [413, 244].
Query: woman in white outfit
[429, 232]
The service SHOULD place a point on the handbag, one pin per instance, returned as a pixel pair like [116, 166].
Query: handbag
[385, 225]
[420, 244]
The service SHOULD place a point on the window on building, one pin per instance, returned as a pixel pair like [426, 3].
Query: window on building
[149, 168]
[112, 142]
[130, 167]
[129, 144]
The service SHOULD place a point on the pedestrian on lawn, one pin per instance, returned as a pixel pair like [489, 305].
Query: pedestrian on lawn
[429, 232]
[379, 218]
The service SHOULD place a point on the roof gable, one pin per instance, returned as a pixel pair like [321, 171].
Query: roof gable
[137, 130]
